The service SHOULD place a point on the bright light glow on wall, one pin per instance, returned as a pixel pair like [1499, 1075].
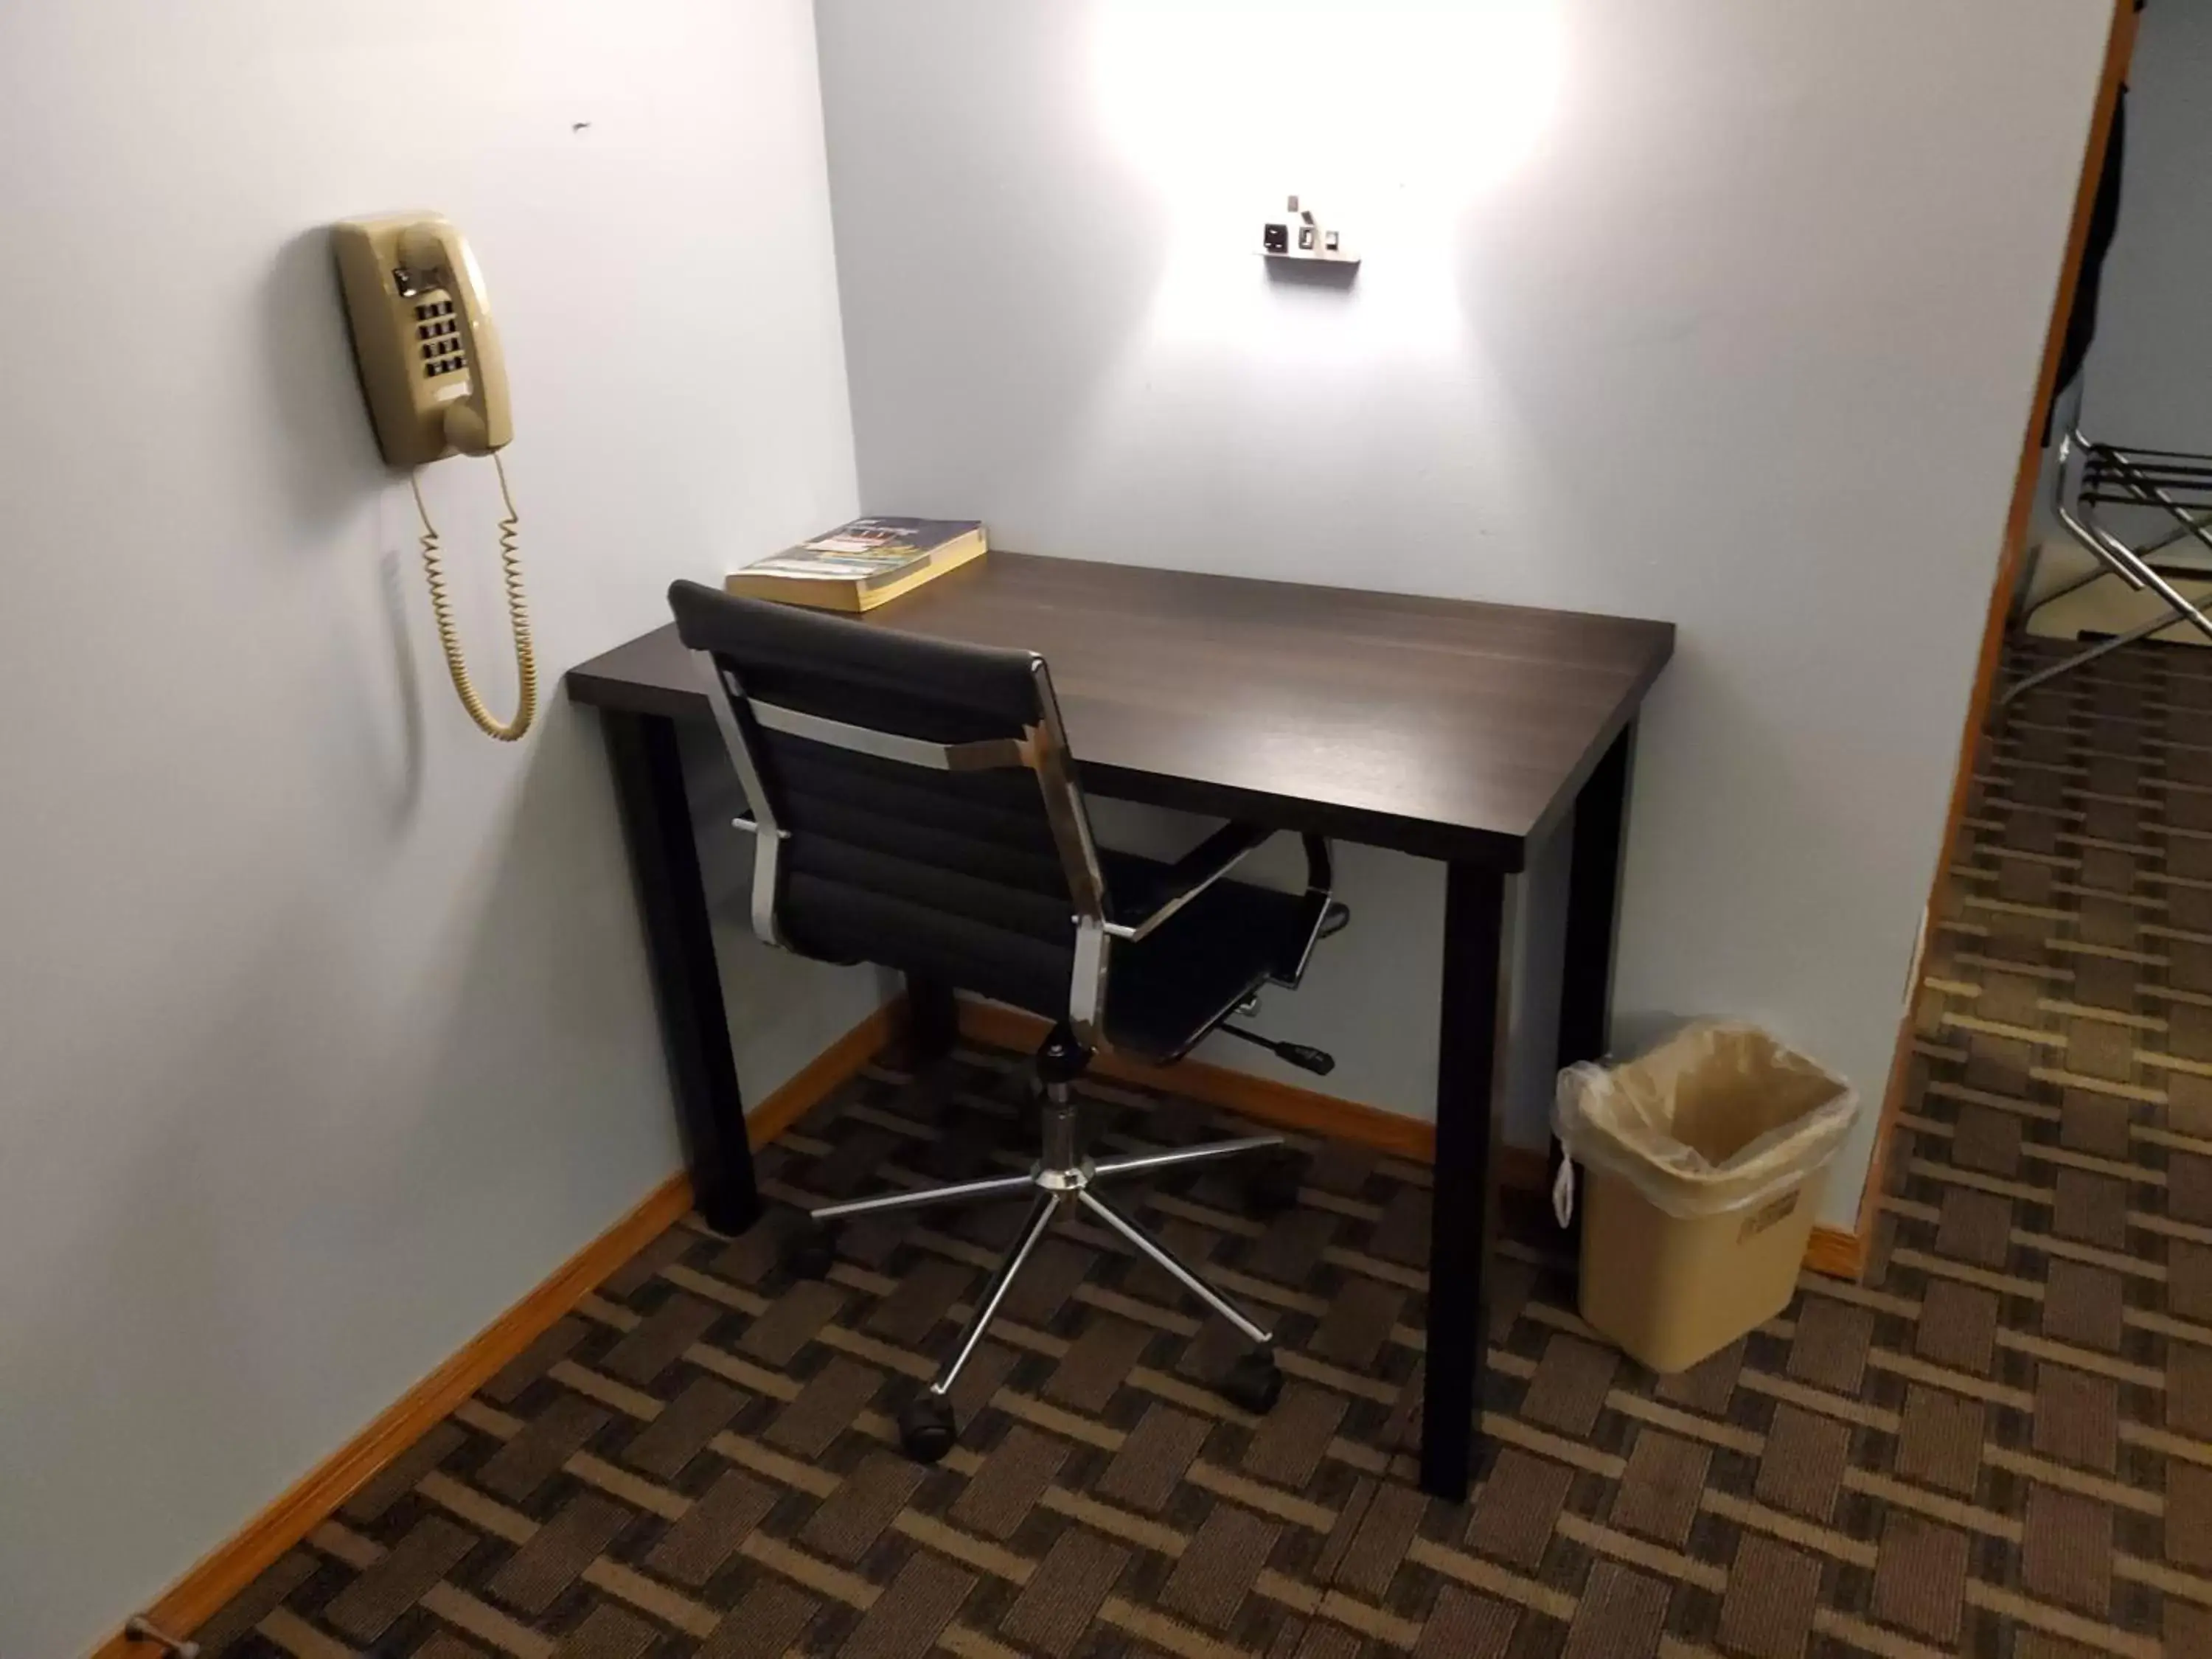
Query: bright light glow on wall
[1349, 98]
[1386, 116]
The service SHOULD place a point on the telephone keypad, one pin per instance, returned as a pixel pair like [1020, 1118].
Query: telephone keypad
[439, 331]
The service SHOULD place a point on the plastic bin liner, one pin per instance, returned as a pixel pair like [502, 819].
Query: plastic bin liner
[1717, 1118]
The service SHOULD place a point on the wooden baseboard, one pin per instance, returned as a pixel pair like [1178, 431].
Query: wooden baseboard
[1518, 1166]
[1286, 1106]
[814, 1080]
[201, 1592]
[228, 1569]
[1837, 1253]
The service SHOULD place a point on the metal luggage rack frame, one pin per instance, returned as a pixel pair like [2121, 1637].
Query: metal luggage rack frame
[2089, 475]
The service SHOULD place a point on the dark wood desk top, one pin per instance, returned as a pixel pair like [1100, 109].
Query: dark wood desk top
[1435, 727]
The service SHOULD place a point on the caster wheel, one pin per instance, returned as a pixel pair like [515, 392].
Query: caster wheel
[925, 1428]
[811, 1251]
[1271, 1181]
[1253, 1383]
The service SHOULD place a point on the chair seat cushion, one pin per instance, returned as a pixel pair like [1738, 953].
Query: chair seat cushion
[1165, 992]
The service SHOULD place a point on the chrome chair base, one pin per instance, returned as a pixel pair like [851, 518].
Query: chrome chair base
[1064, 1182]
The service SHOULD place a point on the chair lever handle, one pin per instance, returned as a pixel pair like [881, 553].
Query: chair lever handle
[1319, 1062]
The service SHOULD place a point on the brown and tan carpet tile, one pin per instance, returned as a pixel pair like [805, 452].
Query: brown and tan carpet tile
[1996, 1445]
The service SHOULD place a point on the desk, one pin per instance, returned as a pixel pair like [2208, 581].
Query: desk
[1461, 732]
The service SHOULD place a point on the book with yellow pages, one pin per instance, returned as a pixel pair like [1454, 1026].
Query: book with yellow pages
[860, 565]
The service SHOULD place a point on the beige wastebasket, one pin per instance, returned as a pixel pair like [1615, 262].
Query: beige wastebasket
[1700, 1170]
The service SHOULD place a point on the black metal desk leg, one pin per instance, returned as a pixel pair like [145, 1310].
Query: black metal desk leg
[1463, 1218]
[656, 816]
[1593, 925]
[933, 1019]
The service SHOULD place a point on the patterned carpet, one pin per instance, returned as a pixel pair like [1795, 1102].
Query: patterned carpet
[1997, 1445]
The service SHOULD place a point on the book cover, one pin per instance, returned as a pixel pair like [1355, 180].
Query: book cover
[860, 564]
[872, 551]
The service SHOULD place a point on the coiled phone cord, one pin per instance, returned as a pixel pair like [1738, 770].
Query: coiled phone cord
[518, 613]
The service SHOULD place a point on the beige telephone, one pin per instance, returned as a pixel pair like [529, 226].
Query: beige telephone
[436, 384]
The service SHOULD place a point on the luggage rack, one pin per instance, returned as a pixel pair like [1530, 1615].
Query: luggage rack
[2090, 476]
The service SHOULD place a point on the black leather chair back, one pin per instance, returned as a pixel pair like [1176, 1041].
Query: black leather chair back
[960, 875]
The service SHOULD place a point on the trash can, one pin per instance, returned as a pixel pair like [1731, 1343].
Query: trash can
[1700, 1167]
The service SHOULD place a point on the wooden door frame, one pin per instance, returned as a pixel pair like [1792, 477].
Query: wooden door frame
[2119, 48]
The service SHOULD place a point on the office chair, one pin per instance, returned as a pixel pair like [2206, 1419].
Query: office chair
[914, 804]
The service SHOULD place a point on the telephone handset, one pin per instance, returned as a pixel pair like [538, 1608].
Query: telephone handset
[436, 383]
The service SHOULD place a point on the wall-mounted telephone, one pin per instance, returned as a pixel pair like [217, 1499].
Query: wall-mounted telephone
[436, 384]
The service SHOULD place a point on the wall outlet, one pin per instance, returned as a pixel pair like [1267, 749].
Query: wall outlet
[1299, 235]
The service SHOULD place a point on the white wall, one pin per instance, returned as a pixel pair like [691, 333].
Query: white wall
[1711, 310]
[324, 1031]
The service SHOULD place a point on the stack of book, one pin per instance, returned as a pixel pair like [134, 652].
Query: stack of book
[860, 565]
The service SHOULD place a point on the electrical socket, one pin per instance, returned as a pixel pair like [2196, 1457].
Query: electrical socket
[1313, 241]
